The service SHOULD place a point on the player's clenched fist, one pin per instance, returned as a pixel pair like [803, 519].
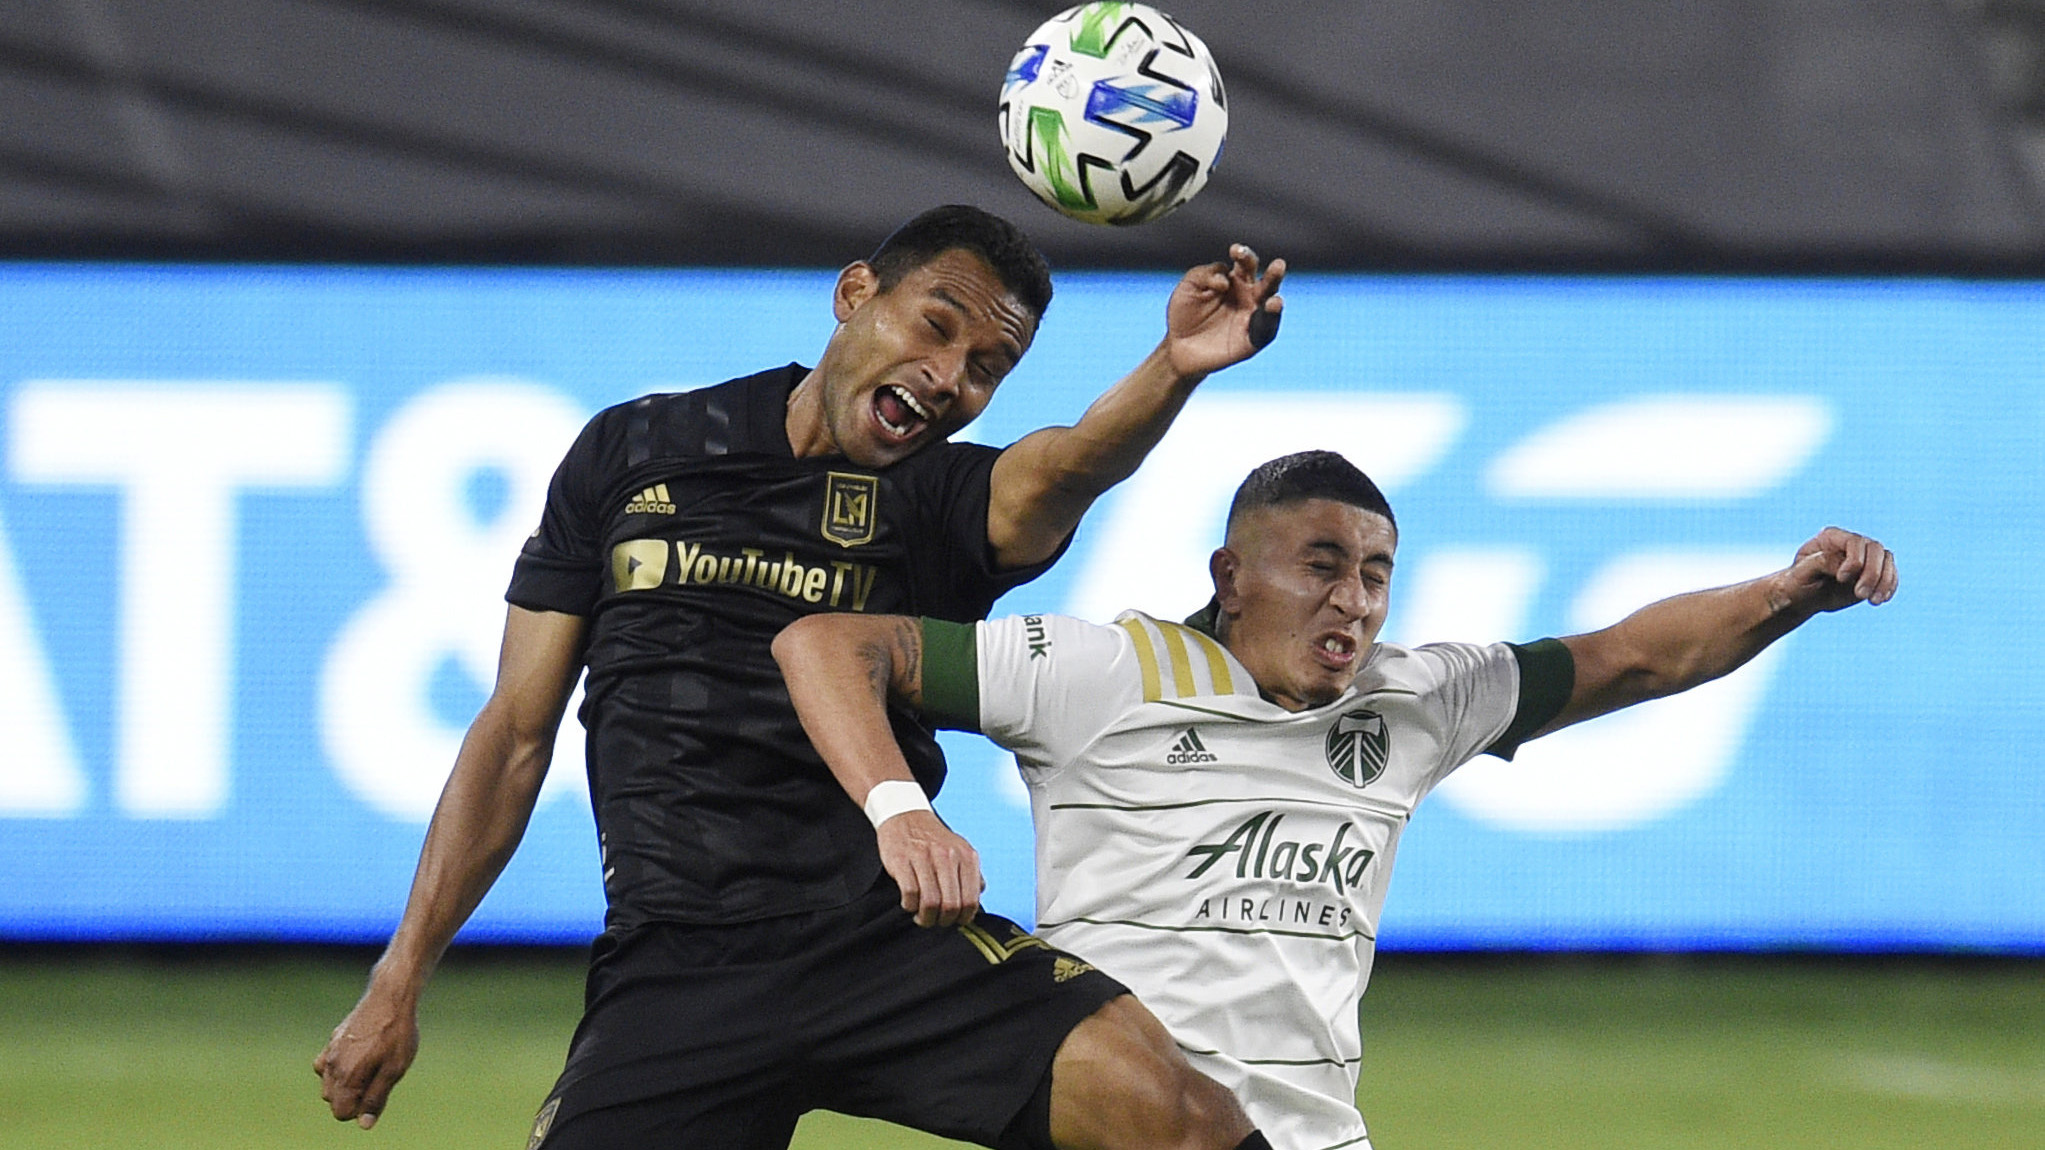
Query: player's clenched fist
[938, 871]
[368, 1053]
[1838, 568]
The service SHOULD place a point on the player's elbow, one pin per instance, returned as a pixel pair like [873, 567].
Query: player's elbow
[510, 744]
[815, 648]
[800, 640]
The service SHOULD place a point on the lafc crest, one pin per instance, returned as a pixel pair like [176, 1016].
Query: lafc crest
[850, 508]
[1358, 746]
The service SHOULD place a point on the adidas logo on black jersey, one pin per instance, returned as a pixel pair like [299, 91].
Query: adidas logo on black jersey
[652, 501]
[1066, 969]
[1189, 750]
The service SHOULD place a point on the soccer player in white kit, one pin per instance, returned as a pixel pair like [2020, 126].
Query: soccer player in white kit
[1218, 803]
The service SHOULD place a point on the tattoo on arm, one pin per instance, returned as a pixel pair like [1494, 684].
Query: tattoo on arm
[877, 660]
[893, 661]
[908, 660]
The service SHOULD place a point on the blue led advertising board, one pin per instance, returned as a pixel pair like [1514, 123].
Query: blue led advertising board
[255, 526]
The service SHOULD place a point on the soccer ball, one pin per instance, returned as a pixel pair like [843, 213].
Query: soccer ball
[1113, 113]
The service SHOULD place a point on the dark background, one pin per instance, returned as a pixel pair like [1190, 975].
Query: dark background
[1828, 136]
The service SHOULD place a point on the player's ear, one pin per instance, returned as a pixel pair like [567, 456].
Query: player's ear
[856, 285]
[1223, 566]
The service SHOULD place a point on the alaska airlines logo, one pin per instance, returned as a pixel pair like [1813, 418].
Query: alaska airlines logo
[1357, 746]
[1189, 750]
[652, 501]
[1257, 856]
[850, 508]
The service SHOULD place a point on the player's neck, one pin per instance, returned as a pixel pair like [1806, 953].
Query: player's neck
[809, 433]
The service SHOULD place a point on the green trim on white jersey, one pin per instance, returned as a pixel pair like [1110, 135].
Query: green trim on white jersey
[951, 681]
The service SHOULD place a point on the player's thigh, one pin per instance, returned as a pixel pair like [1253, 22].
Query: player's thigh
[669, 1123]
[945, 1030]
[1119, 1081]
[682, 1042]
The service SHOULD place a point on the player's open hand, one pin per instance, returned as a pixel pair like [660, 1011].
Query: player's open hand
[1222, 313]
[938, 871]
[368, 1053]
[1836, 569]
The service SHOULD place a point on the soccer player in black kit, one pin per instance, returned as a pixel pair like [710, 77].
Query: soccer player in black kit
[757, 961]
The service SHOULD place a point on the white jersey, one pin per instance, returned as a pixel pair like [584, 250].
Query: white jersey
[1223, 857]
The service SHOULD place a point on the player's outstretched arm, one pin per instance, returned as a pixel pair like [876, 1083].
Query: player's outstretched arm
[841, 671]
[1220, 314]
[477, 824]
[1678, 643]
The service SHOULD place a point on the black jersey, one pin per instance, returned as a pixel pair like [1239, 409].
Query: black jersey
[686, 530]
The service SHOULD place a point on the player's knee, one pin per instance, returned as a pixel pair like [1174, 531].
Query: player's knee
[1182, 1109]
[1198, 1112]
[1128, 1086]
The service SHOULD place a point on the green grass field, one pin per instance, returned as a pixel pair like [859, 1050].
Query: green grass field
[120, 1049]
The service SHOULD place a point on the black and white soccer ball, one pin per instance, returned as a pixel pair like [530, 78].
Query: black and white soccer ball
[1113, 113]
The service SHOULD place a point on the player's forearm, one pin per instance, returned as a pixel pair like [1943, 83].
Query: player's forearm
[840, 671]
[476, 827]
[1681, 642]
[1045, 483]
[1122, 426]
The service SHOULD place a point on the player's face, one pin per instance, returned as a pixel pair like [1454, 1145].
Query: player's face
[1303, 589]
[909, 366]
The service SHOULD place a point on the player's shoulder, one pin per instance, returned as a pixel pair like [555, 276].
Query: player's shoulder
[1046, 635]
[746, 415]
[946, 479]
[945, 458]
[1052, 648]
[1181, 660]
[1432, 666]
[731, 399]
[1136, 624]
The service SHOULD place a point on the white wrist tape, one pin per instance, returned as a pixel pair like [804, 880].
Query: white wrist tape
[894, 797]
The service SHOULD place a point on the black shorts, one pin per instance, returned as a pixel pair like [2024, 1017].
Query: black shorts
[723, 1036]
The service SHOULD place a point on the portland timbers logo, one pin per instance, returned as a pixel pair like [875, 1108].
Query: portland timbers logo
[1357, 747]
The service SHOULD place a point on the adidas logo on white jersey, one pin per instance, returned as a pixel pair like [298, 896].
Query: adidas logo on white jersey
[654, 500]
[1189, 750]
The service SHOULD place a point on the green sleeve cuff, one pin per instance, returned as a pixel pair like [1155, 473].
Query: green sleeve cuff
[951, 674]
[1547, 676]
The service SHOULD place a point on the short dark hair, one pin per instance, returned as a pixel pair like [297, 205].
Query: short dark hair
[1015, 260]
[1309, 475]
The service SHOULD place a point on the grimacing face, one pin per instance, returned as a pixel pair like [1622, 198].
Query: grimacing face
[1303, 589]
[909, 366]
